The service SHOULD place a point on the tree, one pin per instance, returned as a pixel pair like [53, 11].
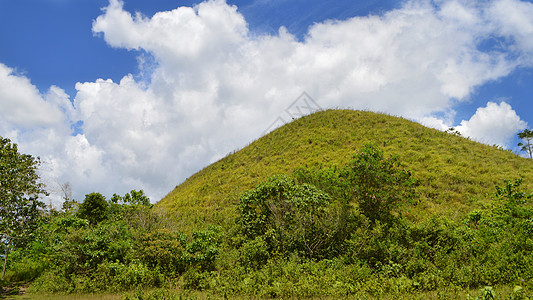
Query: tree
[288, 217]
[133, 198]
[20, 189]
[453, 131]
[527, 136]
[93, 208]
[378, 184]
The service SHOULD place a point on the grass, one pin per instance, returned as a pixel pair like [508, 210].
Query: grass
[69, 296]
[455, 174]
[449, 293]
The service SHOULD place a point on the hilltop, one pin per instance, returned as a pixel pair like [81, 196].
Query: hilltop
[455, 174]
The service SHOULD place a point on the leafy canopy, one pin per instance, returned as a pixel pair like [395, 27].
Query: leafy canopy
[377, 184]
[288, 217]
[19, 196]
[93, 208]
[19, 192]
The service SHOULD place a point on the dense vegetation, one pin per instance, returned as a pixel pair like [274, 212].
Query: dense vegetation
[375, 223]
[19, 198]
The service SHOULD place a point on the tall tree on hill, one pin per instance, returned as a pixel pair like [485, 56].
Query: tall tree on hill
[527, 137]
[20, 189]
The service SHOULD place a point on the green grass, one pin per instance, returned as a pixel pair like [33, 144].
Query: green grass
[451, 292]
[455, 173]
[69, 296]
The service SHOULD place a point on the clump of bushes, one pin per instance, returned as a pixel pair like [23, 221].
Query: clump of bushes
[353, 214]
[122, 247]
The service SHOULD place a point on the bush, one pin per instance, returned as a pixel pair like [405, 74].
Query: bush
[165, 250]
[26, 269]
[254, 253]
[54, 281]
[204, 248]
[378, 184]
[127, 277]
[292, 218]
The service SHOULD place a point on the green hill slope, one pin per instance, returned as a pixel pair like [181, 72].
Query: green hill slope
[455, 174]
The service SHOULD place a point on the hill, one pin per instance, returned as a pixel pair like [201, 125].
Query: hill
[455, 174]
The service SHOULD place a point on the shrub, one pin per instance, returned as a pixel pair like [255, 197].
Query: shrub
[203, 249]
[254, 253]
[377, 184]
[195, 279]
[165, 250]
[292, 218]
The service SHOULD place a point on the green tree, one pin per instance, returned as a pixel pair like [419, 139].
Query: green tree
[93, 208]
[20, 189]
[133, 198]
[453, 131]
[163, 249]
[527, 136]
[292, 218]
[378, 184]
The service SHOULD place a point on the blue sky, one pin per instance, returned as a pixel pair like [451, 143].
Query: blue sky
[142, 94]
[52, 43]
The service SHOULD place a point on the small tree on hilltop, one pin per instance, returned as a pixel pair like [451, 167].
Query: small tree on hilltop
[527, 136]
[20, 189]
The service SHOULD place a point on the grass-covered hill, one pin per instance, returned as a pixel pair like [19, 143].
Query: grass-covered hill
[455, 174]
[351, 224]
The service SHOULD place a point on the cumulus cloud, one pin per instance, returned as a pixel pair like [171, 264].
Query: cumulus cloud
[215, 86]
[21, 104]
[494, 124]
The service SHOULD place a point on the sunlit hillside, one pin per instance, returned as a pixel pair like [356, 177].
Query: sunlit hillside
[455, 174]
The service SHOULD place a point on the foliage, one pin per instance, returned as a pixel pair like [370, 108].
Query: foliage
[491, 246]
[130, 248]
[486, 293]
[377, 184]
[134, 208]
[288, 217]
[164, 250]
[204, 248]
[453, 131]
[133, 198]
[93, 208]
[527, 136]
[511, 203]
[19, 197]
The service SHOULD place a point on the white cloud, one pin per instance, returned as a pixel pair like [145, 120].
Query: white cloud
[181, 36]
[21, 104]
[514, 21]
[216, 86]
[38, 123]
[494, 124]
